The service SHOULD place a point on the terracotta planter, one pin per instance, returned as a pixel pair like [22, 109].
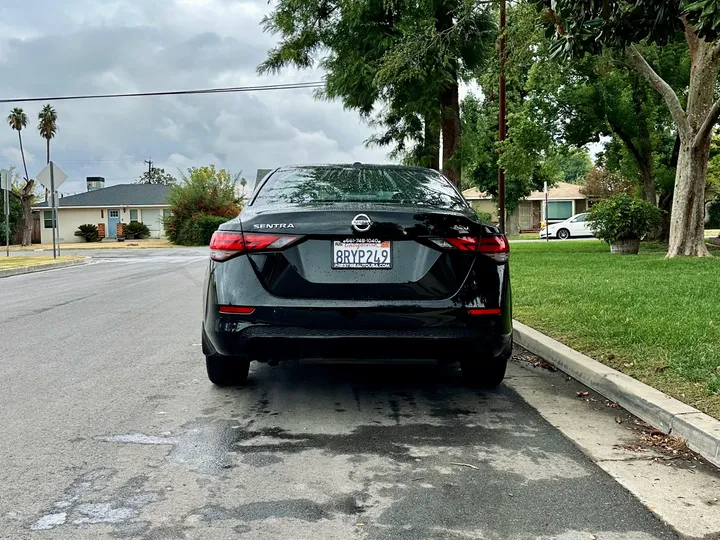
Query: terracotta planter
[626, 247]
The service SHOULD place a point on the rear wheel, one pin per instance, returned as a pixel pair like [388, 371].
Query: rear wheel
[563, 234]
[484, 374]
[227, 370]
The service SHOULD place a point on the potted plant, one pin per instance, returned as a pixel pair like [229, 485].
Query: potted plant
[623, 221]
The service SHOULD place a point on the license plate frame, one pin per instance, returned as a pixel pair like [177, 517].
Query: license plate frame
[353, 254]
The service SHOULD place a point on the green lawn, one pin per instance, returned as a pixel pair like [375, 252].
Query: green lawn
[655, 319]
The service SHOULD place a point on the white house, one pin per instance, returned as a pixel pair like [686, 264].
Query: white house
[106, 207]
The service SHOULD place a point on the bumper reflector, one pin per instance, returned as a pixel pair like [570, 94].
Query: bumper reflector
[237, 310]
[484, 311]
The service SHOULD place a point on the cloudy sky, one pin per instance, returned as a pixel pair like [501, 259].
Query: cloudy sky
[107, 46]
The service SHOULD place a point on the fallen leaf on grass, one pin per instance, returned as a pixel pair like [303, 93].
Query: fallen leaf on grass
[628, 365]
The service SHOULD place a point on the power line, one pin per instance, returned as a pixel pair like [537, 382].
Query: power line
[235, 89]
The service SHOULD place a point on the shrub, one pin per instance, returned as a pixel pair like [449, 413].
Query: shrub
[198, 231]
[621, 217]
[204, 192]
[89, 231]
[136, 230]
[485, 217]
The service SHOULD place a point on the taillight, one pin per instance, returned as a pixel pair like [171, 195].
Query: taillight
[464, 243]
[225, 245]
[475, 312]
[495, 247]
[237, 310]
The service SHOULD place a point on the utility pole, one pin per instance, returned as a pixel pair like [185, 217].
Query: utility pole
[149, 164]
[502, 132]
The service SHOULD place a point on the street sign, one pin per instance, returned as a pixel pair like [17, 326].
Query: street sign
[45, 179]
[4, 179]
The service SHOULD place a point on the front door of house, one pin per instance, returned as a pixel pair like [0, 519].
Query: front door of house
[113, 220]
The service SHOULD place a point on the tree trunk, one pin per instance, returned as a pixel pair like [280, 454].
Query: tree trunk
[450, 103]
[687, 221]
[26, 201]
[512, 222]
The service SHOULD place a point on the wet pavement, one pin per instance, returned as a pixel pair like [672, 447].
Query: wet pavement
[111, 430]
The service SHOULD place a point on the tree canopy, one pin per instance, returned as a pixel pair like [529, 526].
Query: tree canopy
[156, 175]
[398, 63]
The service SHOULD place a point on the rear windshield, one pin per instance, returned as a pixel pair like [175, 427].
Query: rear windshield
[309, 185]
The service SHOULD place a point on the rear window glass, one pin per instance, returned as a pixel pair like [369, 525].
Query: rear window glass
[309, 185]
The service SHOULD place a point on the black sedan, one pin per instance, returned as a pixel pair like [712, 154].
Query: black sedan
[357, 262]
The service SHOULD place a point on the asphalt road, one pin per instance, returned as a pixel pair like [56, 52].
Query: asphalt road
[109, 429]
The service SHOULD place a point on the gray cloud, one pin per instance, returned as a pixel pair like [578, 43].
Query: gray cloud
[91, 46]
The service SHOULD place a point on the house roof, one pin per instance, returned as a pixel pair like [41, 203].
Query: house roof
[561, 191]
[119, 195]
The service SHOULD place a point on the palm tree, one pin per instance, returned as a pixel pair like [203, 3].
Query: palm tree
[47, 125]
[19, 120]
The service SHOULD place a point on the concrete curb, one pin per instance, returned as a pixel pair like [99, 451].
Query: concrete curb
[40, 268]
[701, 431]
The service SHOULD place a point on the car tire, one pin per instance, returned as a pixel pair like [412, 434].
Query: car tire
[563, 234]
[484, 374]
[227, 370]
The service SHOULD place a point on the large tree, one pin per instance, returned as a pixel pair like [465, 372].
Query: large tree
[396, 61]
[581, 26]
[18, 120]
[47, 126]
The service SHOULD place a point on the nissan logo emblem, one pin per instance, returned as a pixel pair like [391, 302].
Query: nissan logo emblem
[361, 223]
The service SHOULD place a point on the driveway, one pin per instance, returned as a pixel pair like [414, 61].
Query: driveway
[111, 430]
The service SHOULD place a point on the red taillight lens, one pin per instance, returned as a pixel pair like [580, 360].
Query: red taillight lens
[495, 247]
[464, 243]
[237, 310]
[225, 245]
[494, 244]
[484, 311]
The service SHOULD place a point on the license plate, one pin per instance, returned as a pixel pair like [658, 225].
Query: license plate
[359, 253]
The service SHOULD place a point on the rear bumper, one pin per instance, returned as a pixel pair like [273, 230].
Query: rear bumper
[283, 328]
[346, 334]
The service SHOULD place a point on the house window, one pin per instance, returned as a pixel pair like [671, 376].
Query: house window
[133, 215]
[559, 210]
[47, 218]
[114, 214]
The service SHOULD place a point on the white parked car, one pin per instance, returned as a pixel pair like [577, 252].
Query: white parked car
[573, 227]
